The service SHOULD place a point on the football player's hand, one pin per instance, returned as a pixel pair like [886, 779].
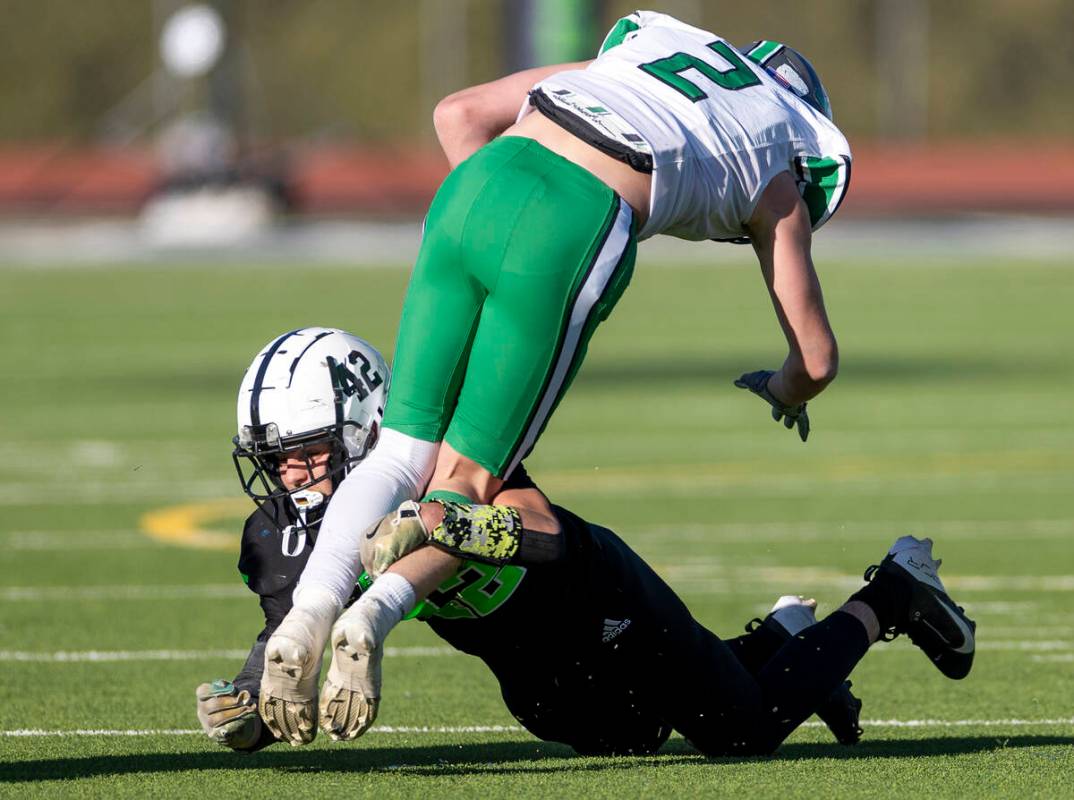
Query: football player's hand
[228, 717]
[395, 535]
[757, 382]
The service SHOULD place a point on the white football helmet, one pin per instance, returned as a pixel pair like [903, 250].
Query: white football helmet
[312, 386]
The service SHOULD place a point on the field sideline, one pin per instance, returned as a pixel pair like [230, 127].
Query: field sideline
[951, 418]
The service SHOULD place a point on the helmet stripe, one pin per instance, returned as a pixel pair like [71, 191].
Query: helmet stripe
[337, 388]
[255, 392]
[763, 51]
[294, 364]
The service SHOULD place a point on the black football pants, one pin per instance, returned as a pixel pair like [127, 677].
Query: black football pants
[620, 689]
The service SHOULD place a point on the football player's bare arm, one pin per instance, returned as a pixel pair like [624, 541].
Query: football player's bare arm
[428, 567]
[781, 234]
[457, 473]
[471, 118]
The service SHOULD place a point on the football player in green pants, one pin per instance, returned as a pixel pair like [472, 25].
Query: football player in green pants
[528, 245]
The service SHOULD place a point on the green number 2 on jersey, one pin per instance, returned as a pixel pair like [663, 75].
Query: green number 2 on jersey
[668, 70]
[474, 591]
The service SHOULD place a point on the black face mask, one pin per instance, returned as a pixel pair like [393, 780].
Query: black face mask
[258, 466]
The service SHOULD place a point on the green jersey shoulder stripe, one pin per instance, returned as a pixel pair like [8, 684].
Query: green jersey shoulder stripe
[618, 33]
[823, 183]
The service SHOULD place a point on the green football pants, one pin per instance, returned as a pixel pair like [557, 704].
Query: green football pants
[524, 253]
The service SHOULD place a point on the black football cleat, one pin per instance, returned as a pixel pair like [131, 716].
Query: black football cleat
[841, 712]
[934, 622]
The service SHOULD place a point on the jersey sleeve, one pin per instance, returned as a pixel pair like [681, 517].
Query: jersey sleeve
[823, 183]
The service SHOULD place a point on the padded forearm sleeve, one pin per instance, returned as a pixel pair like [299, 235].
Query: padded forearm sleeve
[494, 535]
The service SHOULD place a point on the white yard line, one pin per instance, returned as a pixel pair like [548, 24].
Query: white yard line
[721, 533]
[114, 491]
[696, 577]
[103, 656]
[983, 241]
[211, 591]
[1054, 647]
[711, 576]
[841, 479]
[954, 723]
[1007, 608]
[753, 532]
[1026, 645]
[1012, 631]
[996, 608]
[35, 732]
[73, 541]
[711, 481]
[435, 729]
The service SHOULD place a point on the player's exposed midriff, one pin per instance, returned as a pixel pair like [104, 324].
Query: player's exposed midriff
[633, 186]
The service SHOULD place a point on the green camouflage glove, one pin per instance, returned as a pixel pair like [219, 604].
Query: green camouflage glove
[757, 382]
[228, 717]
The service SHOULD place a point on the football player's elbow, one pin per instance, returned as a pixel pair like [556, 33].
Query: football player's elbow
[452, 115]
[822, 363]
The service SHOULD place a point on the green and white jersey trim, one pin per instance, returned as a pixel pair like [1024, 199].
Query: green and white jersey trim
[823, 183]
[619, 32]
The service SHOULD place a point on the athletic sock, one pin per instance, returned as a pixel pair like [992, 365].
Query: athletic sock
[385, 603]
[888, 597]
[764, 639]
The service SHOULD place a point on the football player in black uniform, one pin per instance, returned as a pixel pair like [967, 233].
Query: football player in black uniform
[309, 408]
[591, 648]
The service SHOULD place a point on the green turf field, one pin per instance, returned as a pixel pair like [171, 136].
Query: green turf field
[951, 418]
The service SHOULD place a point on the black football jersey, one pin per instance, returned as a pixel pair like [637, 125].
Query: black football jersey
[555, 617]
[274, 552]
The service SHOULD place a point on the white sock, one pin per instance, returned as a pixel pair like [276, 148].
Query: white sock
[793, 614]
[398, 469]
[386, 602]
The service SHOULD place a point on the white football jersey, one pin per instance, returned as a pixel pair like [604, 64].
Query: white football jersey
[713, 126]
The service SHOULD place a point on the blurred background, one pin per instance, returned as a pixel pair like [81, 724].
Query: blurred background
[207, 124]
